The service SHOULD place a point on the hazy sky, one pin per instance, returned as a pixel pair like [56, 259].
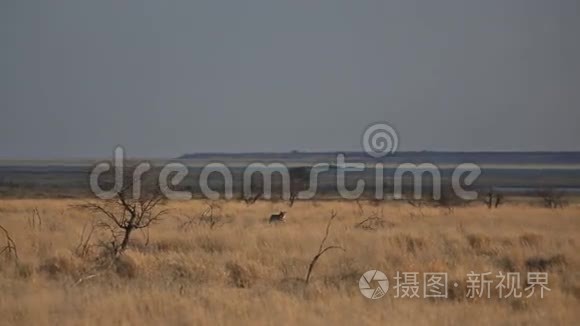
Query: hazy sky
[167, 77]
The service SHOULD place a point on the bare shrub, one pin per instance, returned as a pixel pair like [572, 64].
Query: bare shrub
[322, 249]
[123, 215]
[553, 198]
[299, 181]
[499, 199]
[256, 192]
[493, 199]
[211, 217]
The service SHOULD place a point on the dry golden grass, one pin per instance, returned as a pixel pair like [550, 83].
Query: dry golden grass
[249, 272]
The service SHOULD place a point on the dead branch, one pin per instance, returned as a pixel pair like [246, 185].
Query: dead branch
[147, 234]
[293, 196]
[322, 249]
[9, 250]
[86, 278]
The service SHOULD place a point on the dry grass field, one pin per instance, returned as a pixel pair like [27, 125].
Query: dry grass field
[246, 271]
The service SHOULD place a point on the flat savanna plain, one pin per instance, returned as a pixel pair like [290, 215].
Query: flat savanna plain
[243, 270]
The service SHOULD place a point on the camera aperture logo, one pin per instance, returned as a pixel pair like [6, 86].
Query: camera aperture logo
[373, 284]
[380, 140]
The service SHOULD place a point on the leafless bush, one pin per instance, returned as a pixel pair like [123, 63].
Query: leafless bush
[553, 198]
[299, 181]
[493, 199]
[498, 200]
[322, 249]
[256, 191]
[211, 217]
[123, 215]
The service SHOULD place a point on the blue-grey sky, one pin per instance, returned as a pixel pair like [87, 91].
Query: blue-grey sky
[164, 78]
